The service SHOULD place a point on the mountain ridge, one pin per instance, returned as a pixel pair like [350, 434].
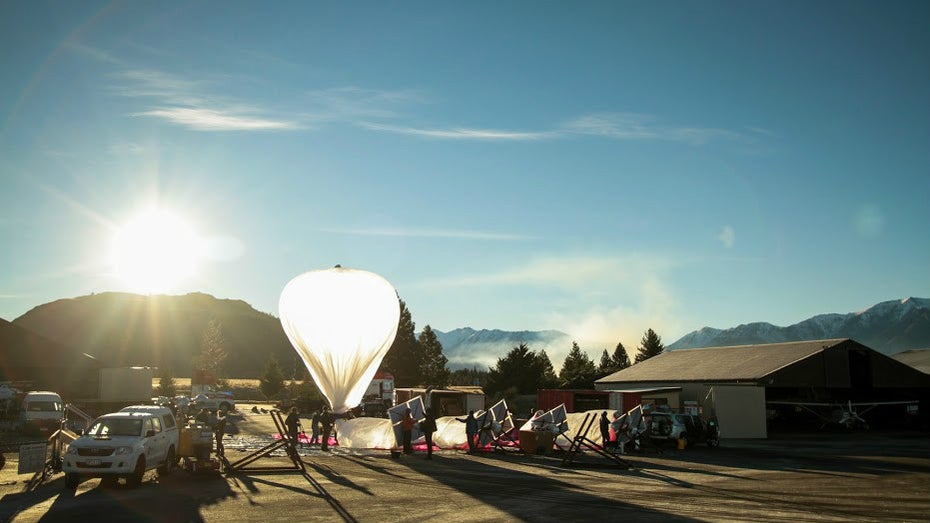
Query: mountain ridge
[888, 327]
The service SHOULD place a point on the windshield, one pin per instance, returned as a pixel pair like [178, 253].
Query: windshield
[44, 406]
[116, 427]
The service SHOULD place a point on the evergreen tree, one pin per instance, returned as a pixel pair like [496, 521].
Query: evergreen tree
[606, 365]
[620, 359]
[272, 380]
[649, 346]
[543, 368]
[213, 352]
[578, 371]
[166, 385]
[522, 370]
[433, 367]
[404, 357]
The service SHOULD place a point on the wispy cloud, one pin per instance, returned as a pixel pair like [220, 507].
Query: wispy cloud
[727, 236]
[433, 233]
[576, 273]
[352, 103]
[188, 103]
[203, 119]
[460, 133]
[630, 126]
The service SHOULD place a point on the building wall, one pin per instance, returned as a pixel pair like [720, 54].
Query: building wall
[740, 410]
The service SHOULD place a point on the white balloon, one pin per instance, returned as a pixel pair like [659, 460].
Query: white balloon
[342, 322]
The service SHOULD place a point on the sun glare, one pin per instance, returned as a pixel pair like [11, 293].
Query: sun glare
[155, 252]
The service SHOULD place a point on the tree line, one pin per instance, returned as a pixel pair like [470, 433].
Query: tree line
[418, 360]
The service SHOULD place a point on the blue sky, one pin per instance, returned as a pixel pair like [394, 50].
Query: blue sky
[594, 167]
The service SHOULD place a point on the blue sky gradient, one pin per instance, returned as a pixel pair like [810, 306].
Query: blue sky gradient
[596, 167]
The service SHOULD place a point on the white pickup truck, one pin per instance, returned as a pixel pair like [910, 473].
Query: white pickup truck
[123, 444]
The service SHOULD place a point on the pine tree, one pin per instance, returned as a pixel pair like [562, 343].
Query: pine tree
[606, 366]
[272, 380]
[213, 352]
[166, 385]
[521, 371]
[620, 359]
[404, 357]
[578, 371]
[433, 367]
[546, 372]
[650, 345]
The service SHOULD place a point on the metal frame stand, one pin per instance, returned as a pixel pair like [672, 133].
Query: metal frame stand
[290, 448]
[581, 440]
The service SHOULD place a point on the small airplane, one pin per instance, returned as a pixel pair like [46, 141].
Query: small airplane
[842, 414]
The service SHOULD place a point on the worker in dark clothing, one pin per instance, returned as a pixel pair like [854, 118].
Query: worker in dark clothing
[315, 428]
[219, 430]
[292, 422]
[327, 420]
[605, 430]
[428, 427]
[471, 430]
[202, 417]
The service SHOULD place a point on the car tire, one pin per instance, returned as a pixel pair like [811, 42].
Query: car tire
[72, 481]
[225, 406]
[713, 442]
[109, 481]
[168, 466]
[135, 479]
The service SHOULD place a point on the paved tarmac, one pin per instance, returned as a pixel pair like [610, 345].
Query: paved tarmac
[813, 478]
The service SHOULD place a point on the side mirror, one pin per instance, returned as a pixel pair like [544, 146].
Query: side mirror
[149, 433]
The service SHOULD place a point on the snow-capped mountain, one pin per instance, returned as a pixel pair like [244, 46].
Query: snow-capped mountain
[470, 348]
[888, 327]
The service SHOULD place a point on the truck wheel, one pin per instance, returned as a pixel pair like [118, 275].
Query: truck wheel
[168, 465]
[72, 480]
[109, 481]
[135, 479]
[225, 406]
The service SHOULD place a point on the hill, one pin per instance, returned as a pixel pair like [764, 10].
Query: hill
[129, 329]
[888, 327]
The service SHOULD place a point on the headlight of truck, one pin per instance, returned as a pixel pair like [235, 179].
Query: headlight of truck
[123, 450]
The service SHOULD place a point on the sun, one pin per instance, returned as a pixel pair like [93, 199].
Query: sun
[155, 252]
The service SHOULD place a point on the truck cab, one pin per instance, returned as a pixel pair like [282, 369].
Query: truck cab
[123, 444]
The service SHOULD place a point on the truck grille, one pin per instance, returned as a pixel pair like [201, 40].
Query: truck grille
[95, 451]
[85, 465]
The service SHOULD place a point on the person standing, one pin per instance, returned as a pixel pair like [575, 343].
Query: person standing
[219, 431]
[292, 422]
[315, 428]
[471, 430]
[327, 419]
[428, 427]
[406, 426]
[605, 430]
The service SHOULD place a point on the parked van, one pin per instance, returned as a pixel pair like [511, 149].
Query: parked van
[124, 444]
[42, 411]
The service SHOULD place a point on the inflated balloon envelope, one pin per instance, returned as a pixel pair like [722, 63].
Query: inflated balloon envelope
[341, 322]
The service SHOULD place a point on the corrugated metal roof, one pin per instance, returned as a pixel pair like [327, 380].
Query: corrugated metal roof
[738, 363]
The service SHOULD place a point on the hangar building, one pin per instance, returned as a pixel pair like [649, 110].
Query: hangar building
[735, 383]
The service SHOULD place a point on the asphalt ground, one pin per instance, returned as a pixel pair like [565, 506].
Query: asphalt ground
[799, 478]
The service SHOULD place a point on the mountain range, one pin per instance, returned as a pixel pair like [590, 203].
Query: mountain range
[888, 327]
[123, 329]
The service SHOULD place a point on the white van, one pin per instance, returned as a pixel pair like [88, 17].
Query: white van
[124, 444]
[43, 410]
